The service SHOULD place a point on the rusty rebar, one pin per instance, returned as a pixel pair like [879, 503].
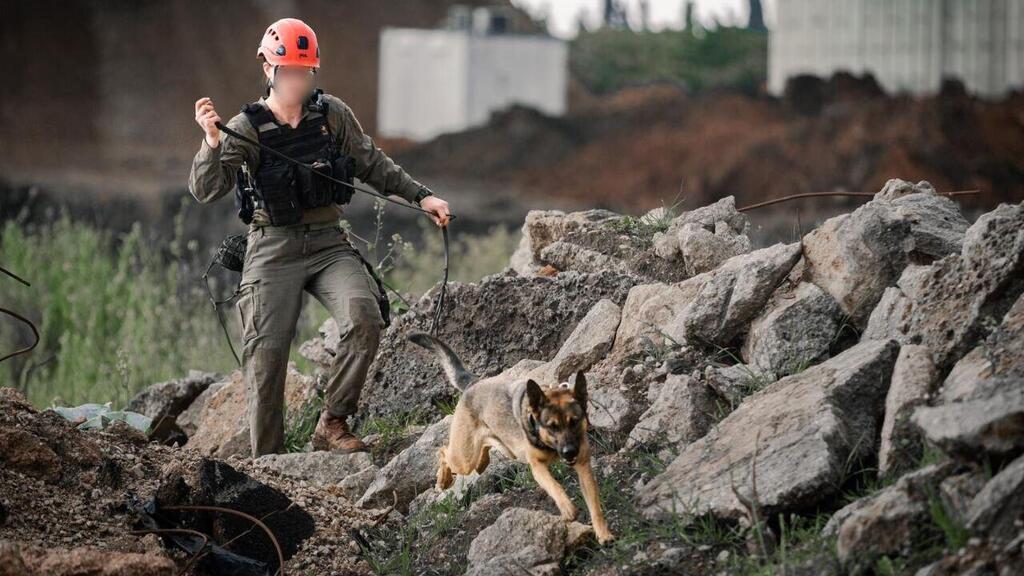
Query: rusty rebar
[837, 193]
[253, 519]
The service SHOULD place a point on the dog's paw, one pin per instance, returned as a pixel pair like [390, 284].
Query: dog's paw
[571, 513]
[604, 537]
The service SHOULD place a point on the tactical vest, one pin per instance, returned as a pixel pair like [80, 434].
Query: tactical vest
[280, 187]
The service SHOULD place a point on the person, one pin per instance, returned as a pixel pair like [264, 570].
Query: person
[295, 241]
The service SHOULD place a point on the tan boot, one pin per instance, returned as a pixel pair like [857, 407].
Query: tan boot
[332, 434]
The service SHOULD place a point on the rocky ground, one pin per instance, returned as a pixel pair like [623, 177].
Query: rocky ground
[848, 403]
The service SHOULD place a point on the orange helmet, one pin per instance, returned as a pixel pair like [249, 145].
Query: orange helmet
[290, 41]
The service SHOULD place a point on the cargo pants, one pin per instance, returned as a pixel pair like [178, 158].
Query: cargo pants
[281, 262]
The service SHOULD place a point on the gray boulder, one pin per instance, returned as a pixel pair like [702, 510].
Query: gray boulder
[542, 228]
[894, 521]
[683, 411]
[732, 294]
[608, 408]
[811, 425]
[654, 312]
[523, 541]
[794, 330]
[998, 509]
[936, 224]
[322, 469]
[972, 428]
[705, 237]
[411, 472]
[965, 295]
[888, 318]
[589, 342]
[171, 398]
[1001, 354]
[913, 379]
[856, 256]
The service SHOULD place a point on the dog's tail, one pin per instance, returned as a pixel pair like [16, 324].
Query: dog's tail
[450, 362]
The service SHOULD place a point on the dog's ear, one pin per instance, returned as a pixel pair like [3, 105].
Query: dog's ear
[535, 394]
[579, 389]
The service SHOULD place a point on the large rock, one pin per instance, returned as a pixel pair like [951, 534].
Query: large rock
[894, 521]
[795, 330]
[609, 408]
[323, 469]
[732, 294]
[811, 426]
[542, 228]
[913, 379]
[998, 509]
[936, 224]
[704, 250]
[589, 341]
[992, 423]
[1001, 354]
[169, 399]
[963, 296]
[223, 428]
[190, 417]
[523, 541]
[590, 241]
[888, 318]
[492, 325]
[653, 312]
[856, 256]
[705, 237]
[412, 471]
[683, 411]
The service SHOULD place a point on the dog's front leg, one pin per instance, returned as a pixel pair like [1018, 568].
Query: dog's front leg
[593, 499]
[543, 476]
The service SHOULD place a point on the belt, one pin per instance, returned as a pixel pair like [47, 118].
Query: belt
[297, 229]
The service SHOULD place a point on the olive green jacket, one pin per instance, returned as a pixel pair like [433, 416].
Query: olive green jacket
[215, 170]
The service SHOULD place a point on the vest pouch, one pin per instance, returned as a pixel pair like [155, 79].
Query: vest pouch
[314, 190]
[279, 197]
[344, 168]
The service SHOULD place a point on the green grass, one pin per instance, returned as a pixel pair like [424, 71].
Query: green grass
[300, 423]
[643, 228]
[115, 314]
[119, 312]
[394, 550]
[391, 428]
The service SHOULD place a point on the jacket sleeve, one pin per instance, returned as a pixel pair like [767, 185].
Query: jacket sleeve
[372, 165]
[215, 170]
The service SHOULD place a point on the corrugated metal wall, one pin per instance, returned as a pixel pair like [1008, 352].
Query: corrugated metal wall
[909, 45]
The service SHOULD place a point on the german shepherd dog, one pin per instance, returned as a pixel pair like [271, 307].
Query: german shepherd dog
[526, 422]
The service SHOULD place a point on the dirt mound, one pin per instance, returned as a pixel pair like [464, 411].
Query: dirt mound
[640, 147]
[64, 510]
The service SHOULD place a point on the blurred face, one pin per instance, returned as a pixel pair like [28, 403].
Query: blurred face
[292, 84]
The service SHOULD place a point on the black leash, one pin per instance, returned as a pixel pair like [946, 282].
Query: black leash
[439, 304]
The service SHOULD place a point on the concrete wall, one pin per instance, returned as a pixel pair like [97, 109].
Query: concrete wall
[437, 81]
[909, 45]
